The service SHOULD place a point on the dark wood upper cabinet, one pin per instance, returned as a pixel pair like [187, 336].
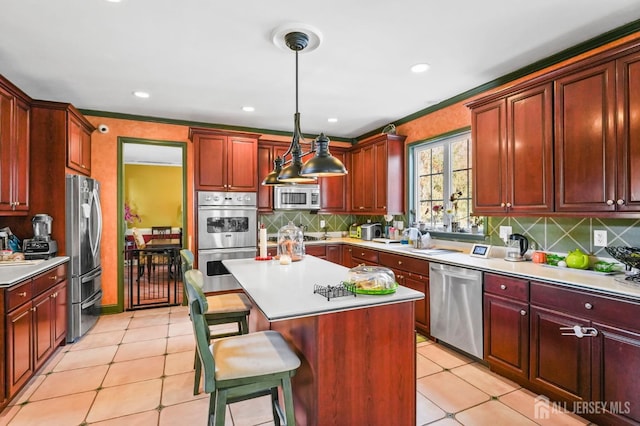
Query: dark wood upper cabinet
[14, 150]
[562, 143]
[333, 190]
[628, 109]
[513, 153]
[79, 143]
[225, 161]
[585, 140]
[377, 175]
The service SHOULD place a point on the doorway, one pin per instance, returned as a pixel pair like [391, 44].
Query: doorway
[151, 195]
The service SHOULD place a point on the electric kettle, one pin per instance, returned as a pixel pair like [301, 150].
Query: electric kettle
[517, 246]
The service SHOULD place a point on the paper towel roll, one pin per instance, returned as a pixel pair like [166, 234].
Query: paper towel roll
[263, 242]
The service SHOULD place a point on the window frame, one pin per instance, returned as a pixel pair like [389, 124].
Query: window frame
[412, 180]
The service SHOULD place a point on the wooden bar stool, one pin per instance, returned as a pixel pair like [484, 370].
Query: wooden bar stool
[221, 309]
[241, 367]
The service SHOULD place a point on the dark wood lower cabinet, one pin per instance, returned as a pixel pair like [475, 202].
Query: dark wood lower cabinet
[561, 364]
[506, 337]
[19, 363]
[593, 372]
[616, 363]
[34, 324]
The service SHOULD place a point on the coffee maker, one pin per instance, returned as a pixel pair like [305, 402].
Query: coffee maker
[41, 246]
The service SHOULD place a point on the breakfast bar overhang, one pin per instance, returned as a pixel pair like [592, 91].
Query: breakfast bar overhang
[358, 352]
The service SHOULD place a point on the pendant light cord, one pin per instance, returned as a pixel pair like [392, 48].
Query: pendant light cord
[296, 81]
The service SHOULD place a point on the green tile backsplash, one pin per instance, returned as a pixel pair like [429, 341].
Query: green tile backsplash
[561, 234]
[555, 234]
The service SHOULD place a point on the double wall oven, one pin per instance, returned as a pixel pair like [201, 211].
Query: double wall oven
[227, 229]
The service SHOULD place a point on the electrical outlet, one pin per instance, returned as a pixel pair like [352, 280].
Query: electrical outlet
[322, 224]
[600, 238]
[505, 231]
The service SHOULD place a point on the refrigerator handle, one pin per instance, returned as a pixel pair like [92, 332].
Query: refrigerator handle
[95, 245]
[97, 296]
[91, 276]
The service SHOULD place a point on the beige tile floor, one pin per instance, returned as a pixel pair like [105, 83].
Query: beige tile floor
[136, 368]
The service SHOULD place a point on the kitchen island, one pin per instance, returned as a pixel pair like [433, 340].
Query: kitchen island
[357, 353]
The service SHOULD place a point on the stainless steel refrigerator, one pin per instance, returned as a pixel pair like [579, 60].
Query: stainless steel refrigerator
[83, 234]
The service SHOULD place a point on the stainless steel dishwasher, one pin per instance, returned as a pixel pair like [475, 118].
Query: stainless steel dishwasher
[456, 307]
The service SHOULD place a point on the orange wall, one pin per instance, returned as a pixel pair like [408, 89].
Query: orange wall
[104, 167]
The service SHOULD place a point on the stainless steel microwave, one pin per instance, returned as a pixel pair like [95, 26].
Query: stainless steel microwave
[296, 197]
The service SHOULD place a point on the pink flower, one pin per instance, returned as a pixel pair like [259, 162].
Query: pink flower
[129, 216]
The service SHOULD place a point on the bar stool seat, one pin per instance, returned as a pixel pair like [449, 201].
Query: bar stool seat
[241, 367]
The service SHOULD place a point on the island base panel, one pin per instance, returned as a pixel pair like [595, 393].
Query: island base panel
[358, 366]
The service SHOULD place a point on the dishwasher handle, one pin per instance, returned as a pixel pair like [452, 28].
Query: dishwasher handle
[453, 271]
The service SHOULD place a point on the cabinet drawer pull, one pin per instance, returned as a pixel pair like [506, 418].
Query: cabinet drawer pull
[54, 277]
[503, 287]
[588, 305]
[23, 294]
[399, 262]
[523, 312]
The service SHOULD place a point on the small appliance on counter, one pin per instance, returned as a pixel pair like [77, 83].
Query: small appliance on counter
[41, 246]
[517, 246]
[371, 231]
[355, 231]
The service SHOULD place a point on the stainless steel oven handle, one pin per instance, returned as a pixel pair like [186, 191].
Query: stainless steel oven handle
[226, 208]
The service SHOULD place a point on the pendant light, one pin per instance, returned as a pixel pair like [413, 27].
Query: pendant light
[322, 164]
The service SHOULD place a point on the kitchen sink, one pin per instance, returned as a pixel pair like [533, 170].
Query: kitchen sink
[434, 251]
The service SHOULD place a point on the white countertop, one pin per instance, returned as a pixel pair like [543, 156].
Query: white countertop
[590, 280]
[13, 274]
[286, 291]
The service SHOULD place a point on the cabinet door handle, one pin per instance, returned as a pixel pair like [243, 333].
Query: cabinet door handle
[620, 202]
[579, 332]
[508, 205]
[503, 205]
[33, 309]
[523, 312]
[609, 202]
[503, 287]
[588, 305]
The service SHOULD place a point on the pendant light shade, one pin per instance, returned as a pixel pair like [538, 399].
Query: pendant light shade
[272, 178]
[322, 164]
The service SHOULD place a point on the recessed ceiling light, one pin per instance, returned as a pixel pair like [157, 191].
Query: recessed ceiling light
[248, 109]
[140, 94]
[418, 68]
[332, 120]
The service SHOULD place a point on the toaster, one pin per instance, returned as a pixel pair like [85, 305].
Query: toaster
[371, 231]
[355, 231]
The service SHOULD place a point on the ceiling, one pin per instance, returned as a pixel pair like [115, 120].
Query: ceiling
[203, 61]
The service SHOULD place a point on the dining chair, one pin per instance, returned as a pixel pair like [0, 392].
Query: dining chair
[225, 308]
[161, 232]
[240, 367]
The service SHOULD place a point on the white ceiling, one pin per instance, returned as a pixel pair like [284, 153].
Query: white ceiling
[202, 60]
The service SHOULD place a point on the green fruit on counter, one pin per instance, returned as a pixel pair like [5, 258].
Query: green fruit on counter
[577, 259]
